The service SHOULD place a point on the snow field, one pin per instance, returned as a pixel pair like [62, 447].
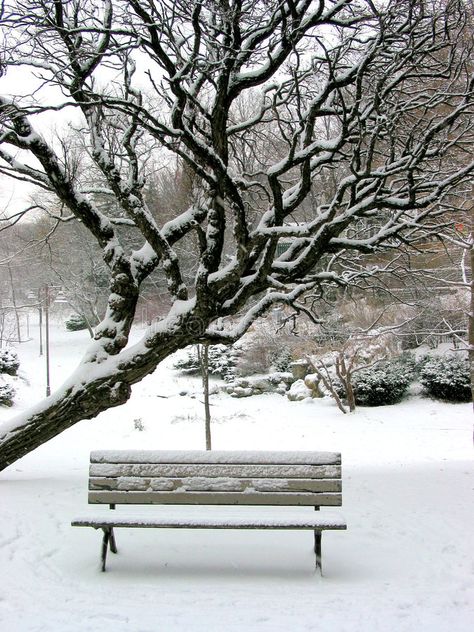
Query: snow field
[405, 563]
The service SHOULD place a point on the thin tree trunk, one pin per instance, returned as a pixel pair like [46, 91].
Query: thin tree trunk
[326, 380]
[351, 402]
[203, 353]
[345, 375]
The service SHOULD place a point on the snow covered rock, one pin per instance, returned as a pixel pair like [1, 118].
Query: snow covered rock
[239, 391]
[299, 369]
[272, 383]
[312, 382]
[298, 391]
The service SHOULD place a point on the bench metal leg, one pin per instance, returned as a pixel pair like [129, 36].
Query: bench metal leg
[105, 545]
[317, 550]
[317, 546]
[113, 545]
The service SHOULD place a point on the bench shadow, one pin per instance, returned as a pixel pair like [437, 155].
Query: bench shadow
[209, 572]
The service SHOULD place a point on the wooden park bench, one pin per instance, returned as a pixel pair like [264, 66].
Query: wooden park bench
[145, 477]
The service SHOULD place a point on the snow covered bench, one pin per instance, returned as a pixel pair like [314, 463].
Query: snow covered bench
[145, 477]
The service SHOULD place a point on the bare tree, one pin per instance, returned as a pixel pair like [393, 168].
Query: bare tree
[266, 103]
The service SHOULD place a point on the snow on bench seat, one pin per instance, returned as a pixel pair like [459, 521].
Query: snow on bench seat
[322, 521]
[226, 457]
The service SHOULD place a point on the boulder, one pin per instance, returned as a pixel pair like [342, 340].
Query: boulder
[312, 382]
[298, 391]
[238, 391]
[299, 369]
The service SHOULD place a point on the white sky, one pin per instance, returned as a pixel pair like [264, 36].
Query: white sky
[17, 83]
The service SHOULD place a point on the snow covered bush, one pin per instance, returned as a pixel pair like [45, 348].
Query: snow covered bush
[384, 383]
[406, 363]
[222, 361]
[188, 363]
[9, 362]
[7, 394]
[75, 322]
[282, 359]
[447, 378]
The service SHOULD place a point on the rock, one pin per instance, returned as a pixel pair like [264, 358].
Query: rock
[238, 391]
[241, 382]
[298, 391]
[282, 376]
[262, 384]
[312, 383]
[299, 369]
[273, 383]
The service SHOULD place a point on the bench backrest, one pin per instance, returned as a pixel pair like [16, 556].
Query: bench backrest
[215, 477]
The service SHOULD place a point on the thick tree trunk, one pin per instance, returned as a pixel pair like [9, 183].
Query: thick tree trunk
[98, 384]
[470, 283]
[74, 404]
[471, 318]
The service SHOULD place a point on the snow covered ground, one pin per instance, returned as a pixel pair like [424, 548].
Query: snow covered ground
[406, 562]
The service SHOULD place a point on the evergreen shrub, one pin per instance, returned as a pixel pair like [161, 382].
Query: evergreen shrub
[75, 322]
[9, 362]
[447, 378]
[281, 360]
[7, 394]
[385, 383]
[222, 361]
[407, 363]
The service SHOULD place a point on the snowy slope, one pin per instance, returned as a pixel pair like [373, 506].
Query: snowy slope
[406, 562]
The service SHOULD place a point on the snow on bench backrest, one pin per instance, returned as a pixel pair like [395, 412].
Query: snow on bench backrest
[215, 477]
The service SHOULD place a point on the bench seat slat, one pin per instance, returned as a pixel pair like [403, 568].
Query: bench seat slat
[128, 483]
[328, 521]
[215, 498]
[217, 456]
[215, 470]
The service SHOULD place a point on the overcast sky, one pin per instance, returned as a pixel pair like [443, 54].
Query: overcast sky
[16, 83]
